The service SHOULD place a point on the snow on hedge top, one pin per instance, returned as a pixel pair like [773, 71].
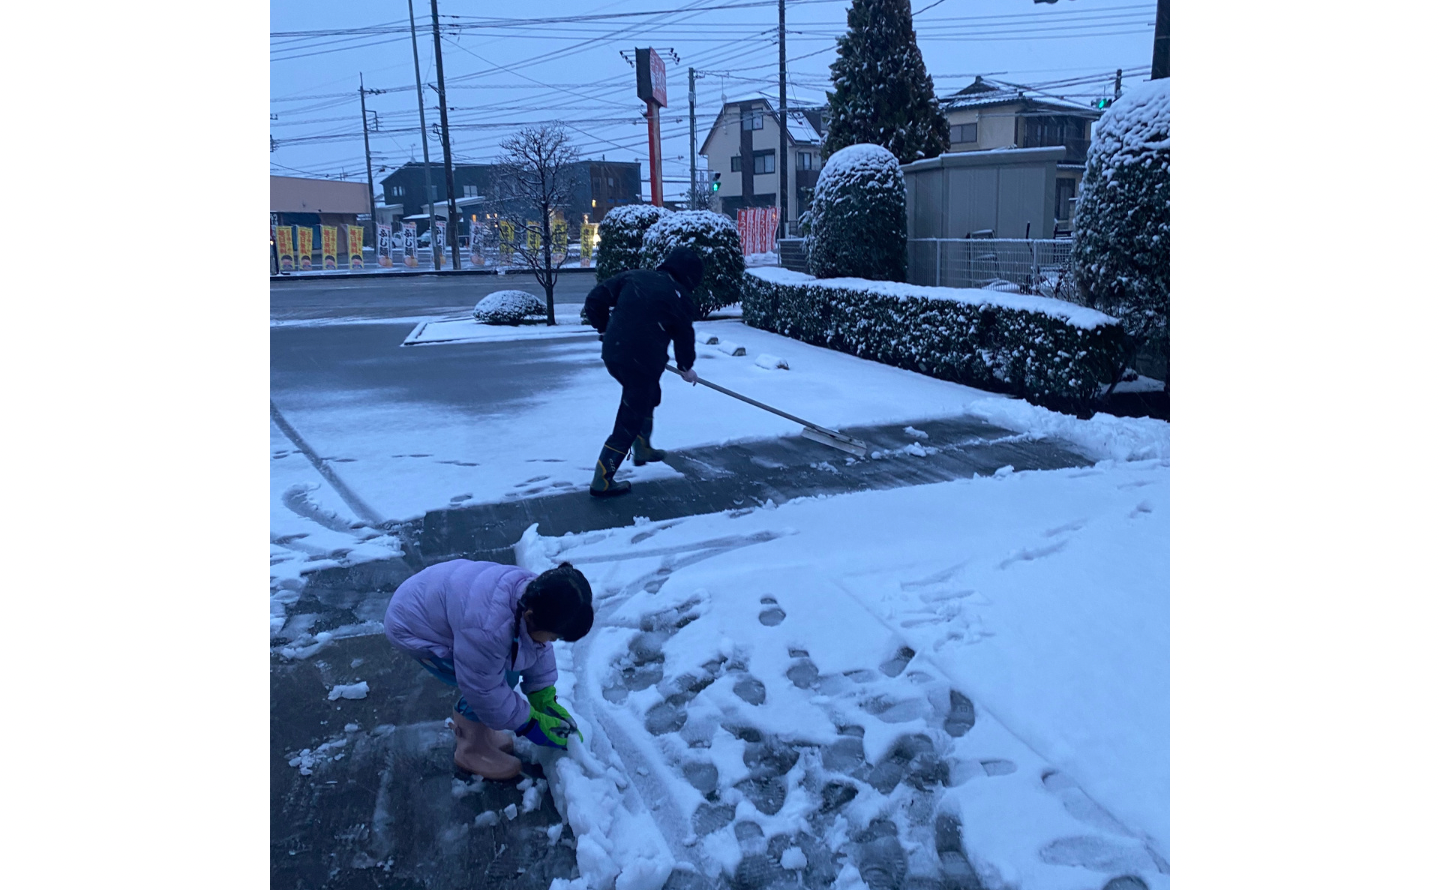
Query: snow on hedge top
[634, 215]
[1077, 316]
[1137, 124]
[707, 224]
[862, 161]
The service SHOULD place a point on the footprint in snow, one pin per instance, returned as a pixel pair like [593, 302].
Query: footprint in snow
[461, 498]
[773, 615]
[1141, 508]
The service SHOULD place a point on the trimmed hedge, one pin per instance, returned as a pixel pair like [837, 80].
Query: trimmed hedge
[1050, 352]
[716, 239]
[508, 307]
[622, 234]
[856, 222]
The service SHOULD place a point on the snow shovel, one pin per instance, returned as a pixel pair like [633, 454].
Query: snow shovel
[810, 431]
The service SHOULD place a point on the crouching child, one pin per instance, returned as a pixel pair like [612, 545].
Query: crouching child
[480, 626]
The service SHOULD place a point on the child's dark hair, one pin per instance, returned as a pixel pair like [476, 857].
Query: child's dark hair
[560, 601]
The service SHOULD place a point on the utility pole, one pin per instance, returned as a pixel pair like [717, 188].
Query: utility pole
[1117, 83]
[784, 151]
[369, 176]
[452, 229]
[424, 137]
[1160, 58]
[694, 187]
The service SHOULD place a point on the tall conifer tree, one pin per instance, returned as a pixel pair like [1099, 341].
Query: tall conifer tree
[883, 93]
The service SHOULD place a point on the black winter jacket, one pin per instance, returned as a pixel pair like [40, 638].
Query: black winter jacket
[639, 313]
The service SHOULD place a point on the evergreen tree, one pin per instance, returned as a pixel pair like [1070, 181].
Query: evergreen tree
[883, 94]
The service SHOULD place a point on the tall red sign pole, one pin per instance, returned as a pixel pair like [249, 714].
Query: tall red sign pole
[650, 87]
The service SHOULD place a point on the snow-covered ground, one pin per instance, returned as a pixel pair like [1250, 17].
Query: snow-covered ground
[976, 667]
[1033, 606]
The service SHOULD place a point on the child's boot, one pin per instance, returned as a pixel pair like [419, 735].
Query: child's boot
[477, 750]
[604, 484]
[643, 453]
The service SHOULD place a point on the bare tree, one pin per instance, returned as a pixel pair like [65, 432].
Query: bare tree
[537, 179]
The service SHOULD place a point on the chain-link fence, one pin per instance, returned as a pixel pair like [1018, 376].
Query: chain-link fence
[1013, 265]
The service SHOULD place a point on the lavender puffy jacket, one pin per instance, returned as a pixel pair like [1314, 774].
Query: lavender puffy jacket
[465, 611]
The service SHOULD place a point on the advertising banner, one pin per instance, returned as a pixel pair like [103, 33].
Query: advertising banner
[757, 229]
[329, 247]
[307, 246]
[437, 239]
[410, 245]
[532, 237]
[285, 247]
[477, 243]
[559, 241]
[588, 233]
[382, 247]
[507, 242]
[355, 246]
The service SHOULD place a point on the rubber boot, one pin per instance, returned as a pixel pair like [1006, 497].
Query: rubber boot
[642, 452]
[477, 751]
[604, 484]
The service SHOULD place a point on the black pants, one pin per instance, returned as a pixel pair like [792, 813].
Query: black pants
[638, 397]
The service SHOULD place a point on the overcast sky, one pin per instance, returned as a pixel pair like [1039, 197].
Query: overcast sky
[503, 70]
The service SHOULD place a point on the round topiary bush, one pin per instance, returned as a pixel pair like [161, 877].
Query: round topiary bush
[509, 307]
[716, 239]
[1122, 222]
[622, 234]
[857, 216]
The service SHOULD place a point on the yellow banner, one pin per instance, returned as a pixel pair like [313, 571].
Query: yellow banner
[355, 240]
[329, 247]
[532, 236]
[559, 240]
[285, 247]
[507, 242]
[307, 246]
[588, 231]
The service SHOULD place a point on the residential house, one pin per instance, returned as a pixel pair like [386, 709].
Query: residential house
[741, 152]
[989, 115]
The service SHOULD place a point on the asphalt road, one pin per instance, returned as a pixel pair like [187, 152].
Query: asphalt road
[407, 295]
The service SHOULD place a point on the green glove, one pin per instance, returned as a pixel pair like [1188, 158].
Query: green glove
[546, 729]
[542, 701]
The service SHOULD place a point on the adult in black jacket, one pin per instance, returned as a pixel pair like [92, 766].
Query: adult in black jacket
[639, 313]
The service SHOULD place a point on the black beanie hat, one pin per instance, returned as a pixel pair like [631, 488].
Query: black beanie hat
[685, 266]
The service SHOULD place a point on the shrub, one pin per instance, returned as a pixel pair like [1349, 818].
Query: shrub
[1122, 219]
[508, 307]
[857, 216]
[622, 234]
[1048, 351]
[716, 239]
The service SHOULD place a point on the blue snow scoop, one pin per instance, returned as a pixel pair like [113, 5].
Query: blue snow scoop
[809, 430]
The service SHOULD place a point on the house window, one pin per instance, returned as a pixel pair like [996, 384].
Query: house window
[753, 119]
[397, 191]
[472, 191]
[804, 161]
[1064, 199]
[1051, 130]
[960, 133]
[610, 181]
[735, 164]
[764, 162]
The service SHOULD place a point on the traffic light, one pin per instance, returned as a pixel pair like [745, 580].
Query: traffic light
[1103, 104]
[715, 183]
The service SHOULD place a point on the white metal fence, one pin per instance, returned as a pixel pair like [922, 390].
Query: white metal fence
[1013, 265]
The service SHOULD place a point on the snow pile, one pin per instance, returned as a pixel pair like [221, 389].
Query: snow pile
[990, 653]
[771, 362]
[508, 307]
[1102, 437]
[354, 691]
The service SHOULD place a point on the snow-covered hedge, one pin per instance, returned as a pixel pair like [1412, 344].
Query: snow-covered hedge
[716, 239]
[508, 307]
[622, 234]
[1051, 352]
[1122, 220]
[857, 216]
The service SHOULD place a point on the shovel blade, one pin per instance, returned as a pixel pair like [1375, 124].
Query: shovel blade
[834, 440]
